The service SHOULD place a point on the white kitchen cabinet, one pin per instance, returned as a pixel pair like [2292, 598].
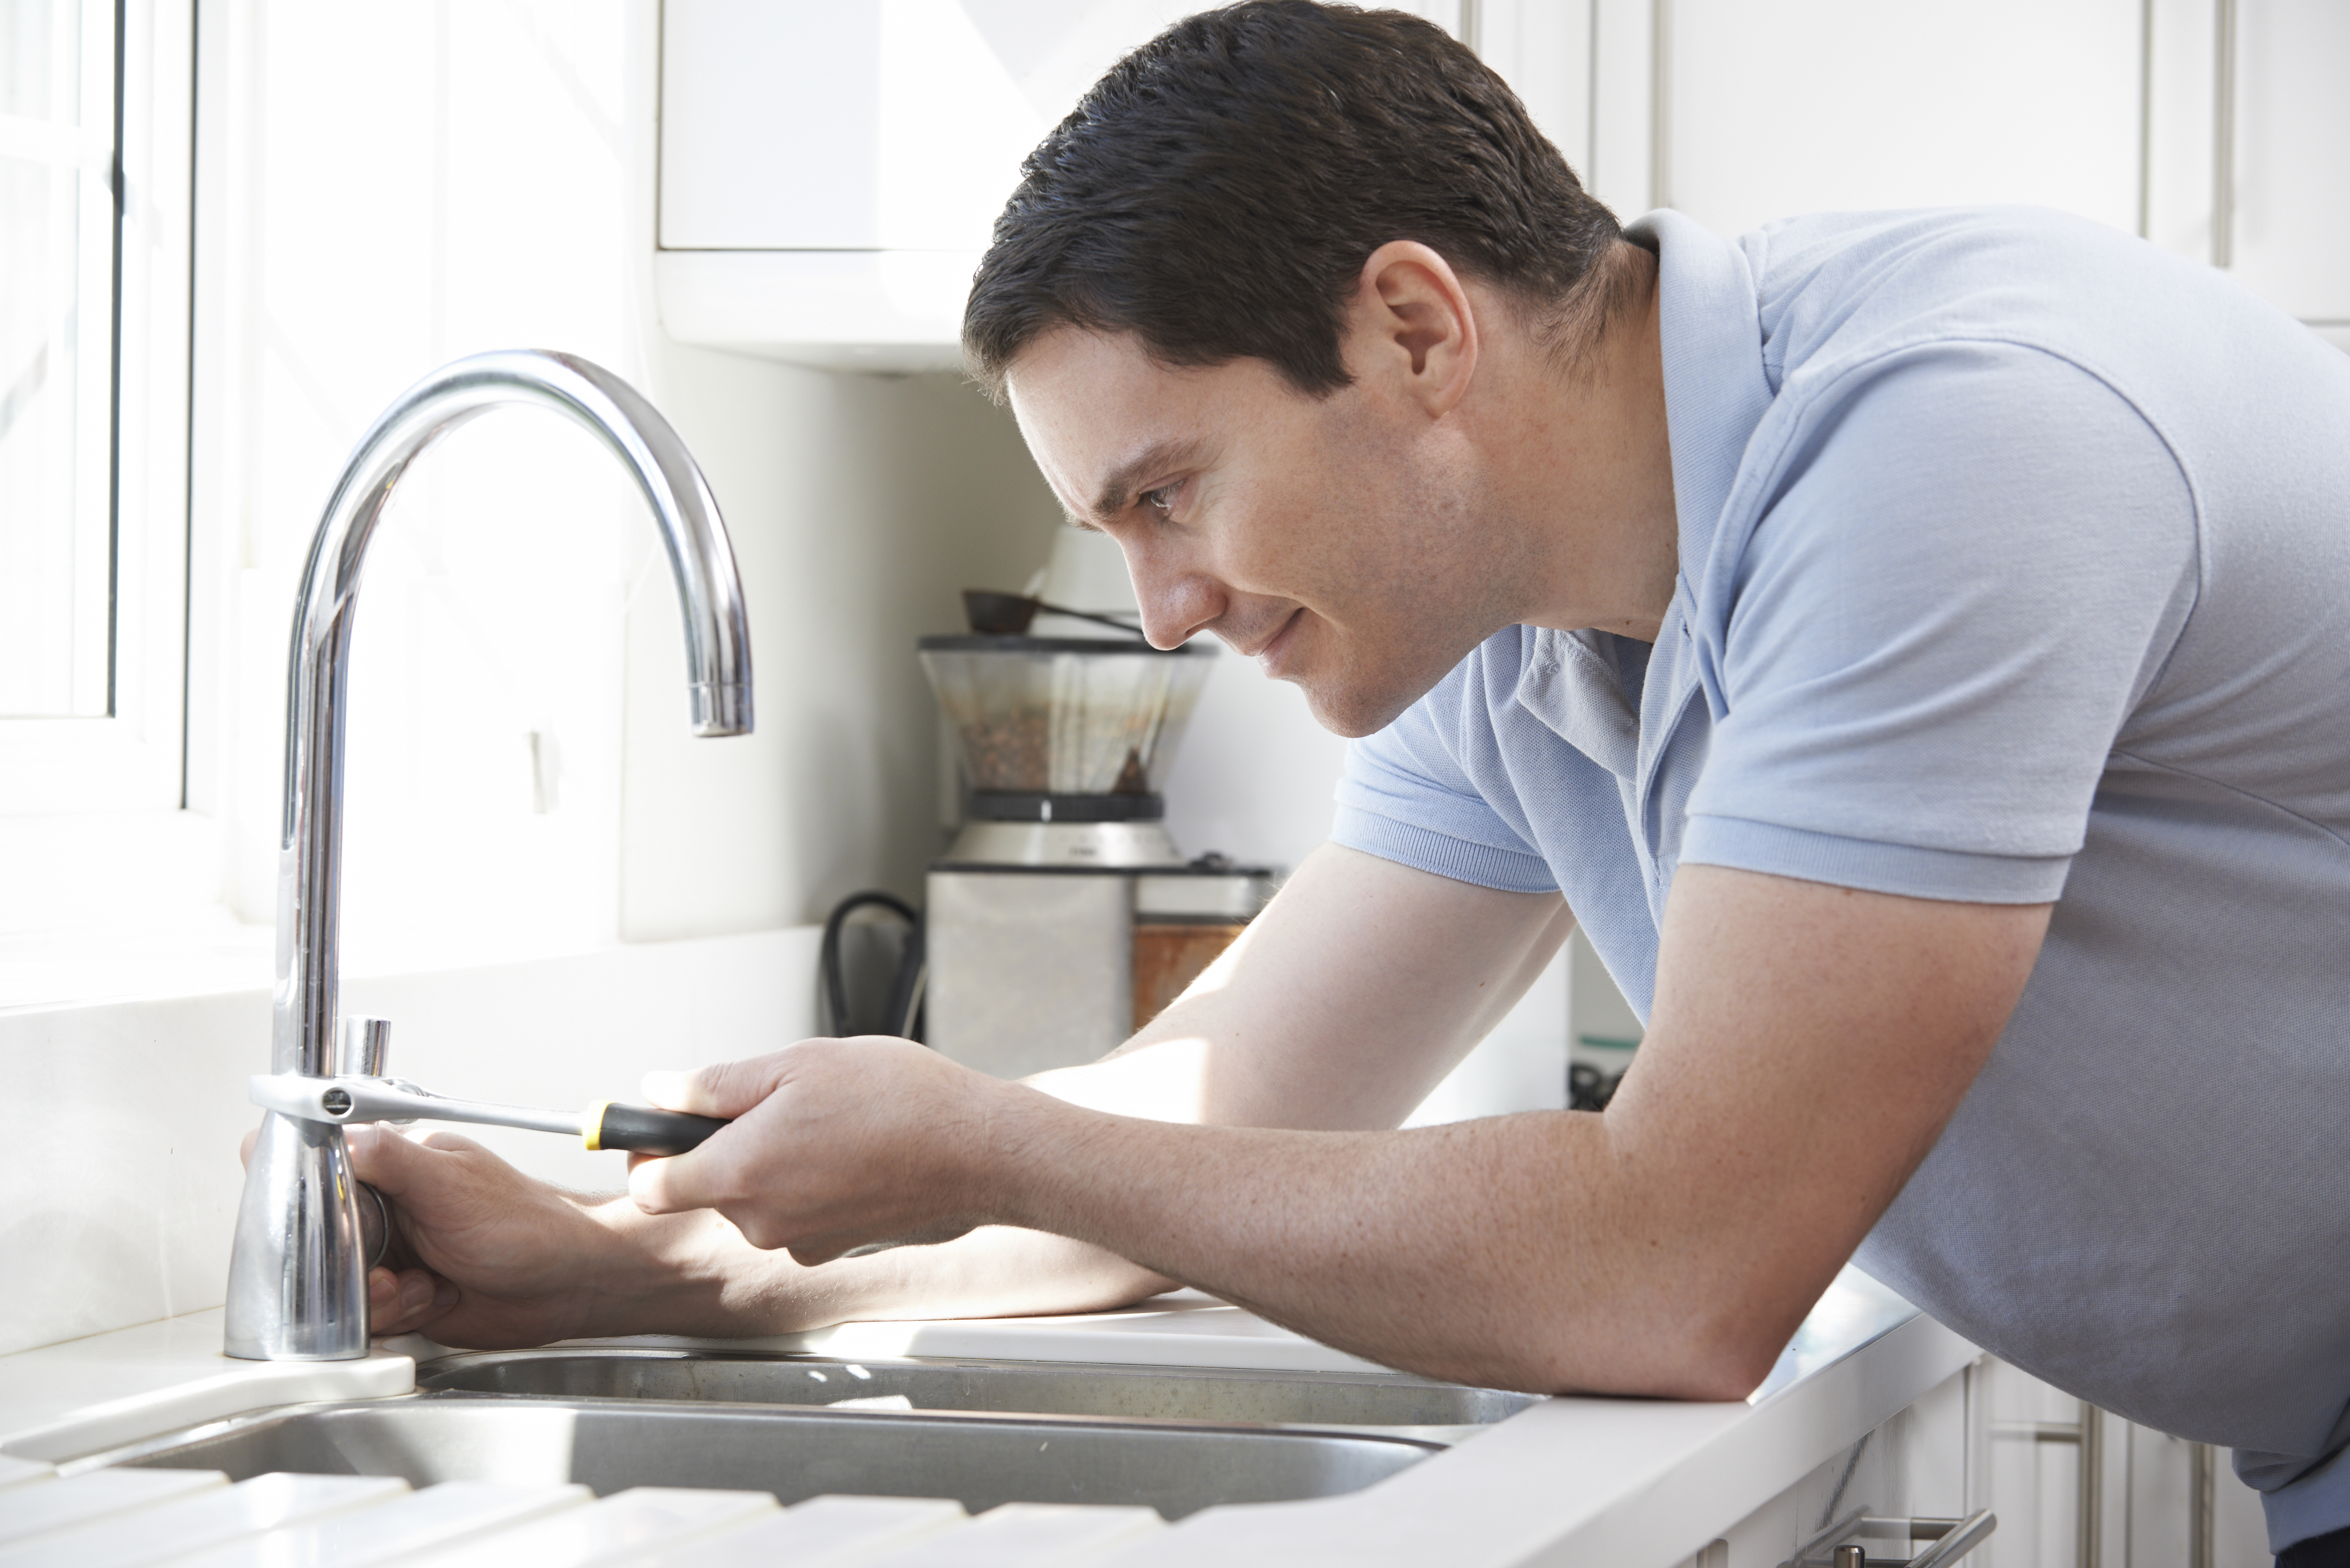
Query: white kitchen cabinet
[2136, 1486]
[2249, 147]
[2291, 232]
[1737, 112]
[1806, 106]
[1914, 1466]
[830, 169]
[1996, 1437]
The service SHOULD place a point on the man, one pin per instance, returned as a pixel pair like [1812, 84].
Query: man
[1912, 645]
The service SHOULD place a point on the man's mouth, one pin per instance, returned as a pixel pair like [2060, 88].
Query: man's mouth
[1269, 653]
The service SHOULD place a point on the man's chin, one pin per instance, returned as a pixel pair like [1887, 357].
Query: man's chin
[1344, 710]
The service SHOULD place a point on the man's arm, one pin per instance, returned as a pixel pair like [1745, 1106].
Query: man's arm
[1352, 995]
[1339, 1008]
[1807, 1044]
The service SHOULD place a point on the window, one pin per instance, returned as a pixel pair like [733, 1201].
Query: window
[94, 142]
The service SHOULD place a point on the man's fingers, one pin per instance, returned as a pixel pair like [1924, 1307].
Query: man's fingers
[380, 1156]
[667, 1186]
[722, 1089]
[405, 1301]
[244, 1149]
[383, 1300]
[447, 1142]
[389, 1162]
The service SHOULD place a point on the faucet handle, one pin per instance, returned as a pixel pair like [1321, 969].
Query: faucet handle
[362, 1046]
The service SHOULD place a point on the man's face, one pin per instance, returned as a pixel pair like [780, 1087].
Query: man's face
[1331, 539]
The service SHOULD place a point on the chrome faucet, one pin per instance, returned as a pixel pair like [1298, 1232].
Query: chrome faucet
[297, 1276]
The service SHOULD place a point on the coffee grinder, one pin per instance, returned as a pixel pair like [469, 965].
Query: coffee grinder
[1063, 917]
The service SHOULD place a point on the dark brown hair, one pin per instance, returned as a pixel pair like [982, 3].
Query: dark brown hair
[1218, 191]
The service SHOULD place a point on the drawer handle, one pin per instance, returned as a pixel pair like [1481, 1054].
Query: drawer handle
[1951, 1540]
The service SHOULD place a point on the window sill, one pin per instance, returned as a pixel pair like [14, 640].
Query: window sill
[202, 958]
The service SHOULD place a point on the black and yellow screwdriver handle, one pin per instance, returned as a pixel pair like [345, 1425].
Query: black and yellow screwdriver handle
[644, 1130]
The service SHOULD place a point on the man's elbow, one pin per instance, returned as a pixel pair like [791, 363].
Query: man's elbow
[1729, 1364]
[1698, 1360]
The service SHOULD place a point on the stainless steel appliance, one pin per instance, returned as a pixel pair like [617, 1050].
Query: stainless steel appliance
[1064, 917]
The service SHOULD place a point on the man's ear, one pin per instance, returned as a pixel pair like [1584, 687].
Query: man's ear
[1411, 324]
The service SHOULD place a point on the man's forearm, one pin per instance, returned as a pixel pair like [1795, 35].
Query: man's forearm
[694, 1273]
[1463, 1252]
[1670, 1246]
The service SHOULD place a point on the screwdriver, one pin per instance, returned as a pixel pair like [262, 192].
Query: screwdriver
[351, 1101]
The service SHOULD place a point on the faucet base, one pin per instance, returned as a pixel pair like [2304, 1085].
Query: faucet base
[298, 1273]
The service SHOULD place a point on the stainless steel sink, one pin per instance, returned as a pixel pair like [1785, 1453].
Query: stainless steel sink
[1440, 1411]
[979, 1459]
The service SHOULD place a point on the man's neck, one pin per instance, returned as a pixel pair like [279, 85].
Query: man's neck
[1580, 462]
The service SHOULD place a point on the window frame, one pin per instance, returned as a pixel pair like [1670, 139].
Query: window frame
[133, 757]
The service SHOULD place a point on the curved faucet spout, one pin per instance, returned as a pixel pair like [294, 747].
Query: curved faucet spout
[297, 1287]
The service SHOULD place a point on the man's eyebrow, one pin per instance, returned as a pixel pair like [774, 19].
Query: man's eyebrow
[1118, 491]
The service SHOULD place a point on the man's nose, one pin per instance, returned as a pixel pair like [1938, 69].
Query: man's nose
[1175, 601]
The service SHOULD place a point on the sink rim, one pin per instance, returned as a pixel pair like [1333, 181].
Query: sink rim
[685, 1408]
[1443, 1434]
[214, 1444]
[610, 1349]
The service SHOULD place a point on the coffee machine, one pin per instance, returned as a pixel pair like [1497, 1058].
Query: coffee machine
[1063, 915]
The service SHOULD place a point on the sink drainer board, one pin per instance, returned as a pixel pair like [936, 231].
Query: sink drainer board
[1027, 1387]
[979, 1460]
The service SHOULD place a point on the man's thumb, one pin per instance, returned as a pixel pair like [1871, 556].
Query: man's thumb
[667, 1185]
[722, 1089]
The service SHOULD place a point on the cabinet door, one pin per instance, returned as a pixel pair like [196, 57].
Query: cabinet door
[830, 125]
[834, 125]
[2247, 142]
[2026, 1467]
[2291, 238]
[2137, 1489]
[1914, 1466]
[1805, 106]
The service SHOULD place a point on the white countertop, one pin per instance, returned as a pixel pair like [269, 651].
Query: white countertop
[1569, 1480]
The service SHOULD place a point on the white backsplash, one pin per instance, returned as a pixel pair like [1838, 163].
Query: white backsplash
[119, 1197]
[119, 1192]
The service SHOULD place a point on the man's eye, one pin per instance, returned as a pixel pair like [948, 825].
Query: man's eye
[1161, 500]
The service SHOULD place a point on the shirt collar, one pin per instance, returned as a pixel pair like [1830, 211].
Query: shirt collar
[1715, 396]
[1715, 390]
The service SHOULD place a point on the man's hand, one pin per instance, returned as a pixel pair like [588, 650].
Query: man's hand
[835, 1144]
[482, 1256]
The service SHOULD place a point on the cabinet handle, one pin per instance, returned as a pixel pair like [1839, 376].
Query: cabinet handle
[2089, 1433]
[1952, 1538]
[1962, 1536]
[2223, 134]
[2203, 1466]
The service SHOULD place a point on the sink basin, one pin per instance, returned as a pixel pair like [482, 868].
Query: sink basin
[1328, 1399]
[978, 1460]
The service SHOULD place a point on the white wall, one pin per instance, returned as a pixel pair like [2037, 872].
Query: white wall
[860, 506]
[485, 182]
[119, 1198]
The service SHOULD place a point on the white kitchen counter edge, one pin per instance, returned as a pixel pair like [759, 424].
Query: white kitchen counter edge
[1570, 1480]
[85, 1395]
[1585, 1481]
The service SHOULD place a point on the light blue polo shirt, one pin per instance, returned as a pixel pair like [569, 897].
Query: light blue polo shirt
[2014, 567]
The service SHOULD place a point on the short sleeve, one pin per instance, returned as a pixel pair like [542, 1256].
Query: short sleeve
[1411, 793]
[1975, 559]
